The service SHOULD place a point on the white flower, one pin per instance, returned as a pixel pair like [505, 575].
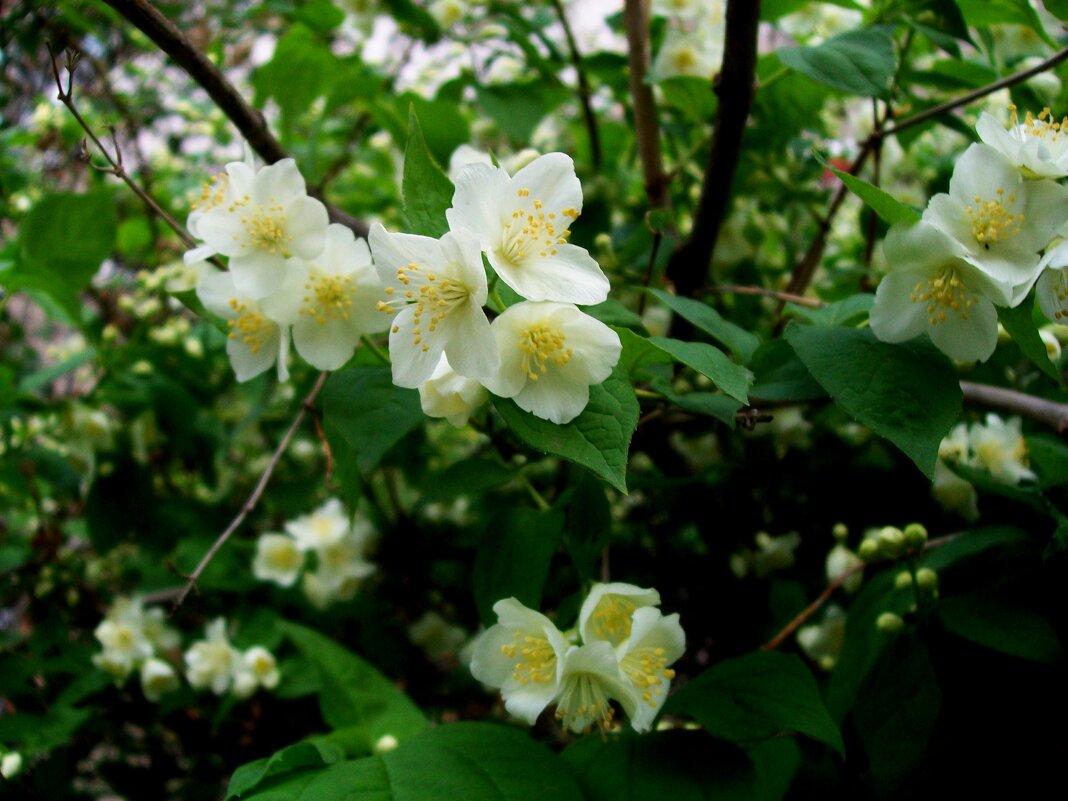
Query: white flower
[1001, 220]
[256, 668]
[256, 339]
[1051, 291]
[438, 286]
[338, 293]
[122, 635]
[341, 568]
[157, 678]
[325, 526]
[774, 553]
[1038, 146]
[520, 655]
[260, 218]
[822, 642]
[999, 447]
[450, 395]
[696, 54]
[447, 12]
[155, 628]
[10, 764]
[607, 611]
[685, 9]
[953, 493]
[840, 560]
[935, 289]
[211, 662]
[590, 678]
[278, 559]
[523, 222]
[656, 641]
[550, 355]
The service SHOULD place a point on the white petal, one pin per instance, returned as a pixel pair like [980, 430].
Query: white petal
[979, 172]
[476, 203]
[413, 362]
[198, 254]
[306, 222]
[248, 364]
[461, 250]
[947, 214]
[258, 274]
[216, 289]
[278, 183]
[528, 702]
[1047, 209]
[553, 399]
[392, 251]
[551, 179]
[895, 317]
[223, 231]
[325, 346]
[968, 340]
[471, 346]
[570, 276]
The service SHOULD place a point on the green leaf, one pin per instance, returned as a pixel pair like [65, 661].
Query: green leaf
[427, 190]
[311, 753]
[755, 697]
[31, 733]
[1000, 620]
[352, 694]
[691, 95]
[1049, 459]
[518, 108]
[681, 766]
[1058, 8]
[589, 522]
[1020, 324]
[781, 376]
[907, 393]
[710, 362]
[841, 313]
[891, 210]
[301, 70]
[639, 352]
[598, 439]
[741, 343]
[513, 558]
[372, 414]
[466, 477]
[897, 710]
[859, 62]
[983, 13]
[614, 313]
[69, 236]
[469, 761]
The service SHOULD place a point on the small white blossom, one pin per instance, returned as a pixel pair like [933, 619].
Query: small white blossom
[1051, 290]
[278, 559]
[122, 635]
[157, 679]
[550, 356]
[607, 612]
[999, 448]
[656, 641]
[256, 668]
[696, 54]
[523, 224]
[840, 560]
[10, 764]
[211, 662]
[1038, 146]
[590, 679]
[326, 526]
[450, 395]
[437, 287]
[822, 642]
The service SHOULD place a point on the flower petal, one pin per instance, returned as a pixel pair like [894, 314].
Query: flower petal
[571, 275]
[895, 317]
[476, 203]
[551, 179]
[413, 362]
[968, 340]
[471, 347]
[306, 223]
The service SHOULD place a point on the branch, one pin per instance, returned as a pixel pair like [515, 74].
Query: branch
[733, 289]
[1053, 414]
[806, 613]
[689, 265]
[257, 493]
[646, 129]
[583, 87]
[248, 121]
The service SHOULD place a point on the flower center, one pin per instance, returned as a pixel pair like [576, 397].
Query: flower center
[1044, 126]
[533, 230]
[941, 292]
[329, 298]
[266, 228]
[286, 557]
[536, 659]
[684, 60]
[611, 619]
[250, 326]
[542, 345]
[991, 221]
[433, 297]
[648, 671]
[213, 192]
[583, 702]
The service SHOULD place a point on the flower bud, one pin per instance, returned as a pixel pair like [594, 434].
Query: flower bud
[387, 742]
[840, 532]
[891, 541]
[869, 550]
[903, 580]
[889, 623]
[10, 764]
[926, 579]
[915, 535]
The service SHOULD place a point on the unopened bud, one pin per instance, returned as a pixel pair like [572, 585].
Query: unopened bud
[840, 531]
[387, 742]
[891, 540]
[903, 580]
[869, 549]
[10, 764]
[889, 623]
[926, 578]
[915, 535]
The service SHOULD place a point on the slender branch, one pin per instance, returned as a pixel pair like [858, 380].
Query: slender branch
[583, 87]
[1053, 414]
[116, 168]
[257, 493]
[688, 268]
[646, 129]
[248, 121]
[806, 613]
[733, 289]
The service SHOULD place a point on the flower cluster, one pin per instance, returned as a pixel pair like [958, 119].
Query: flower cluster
[621, 651]
[214, 662]
[693, 44]
[339, 547]
[542, 352]
[996, 446]
[135, 638]
[291, 272]
[981, 245]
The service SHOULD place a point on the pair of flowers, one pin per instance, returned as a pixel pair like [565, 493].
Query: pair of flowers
[135, 638]
[289, 269]
[339, 547]
[214, 662]
[980, 246]
[621, 651]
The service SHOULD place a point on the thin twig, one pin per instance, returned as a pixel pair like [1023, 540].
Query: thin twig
[828, 591]
[257, 493]
[248, 121]
[733, 289]
[1053, 414]
[646, 129]
[583, 87]
[116, 168]
[688, 268]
